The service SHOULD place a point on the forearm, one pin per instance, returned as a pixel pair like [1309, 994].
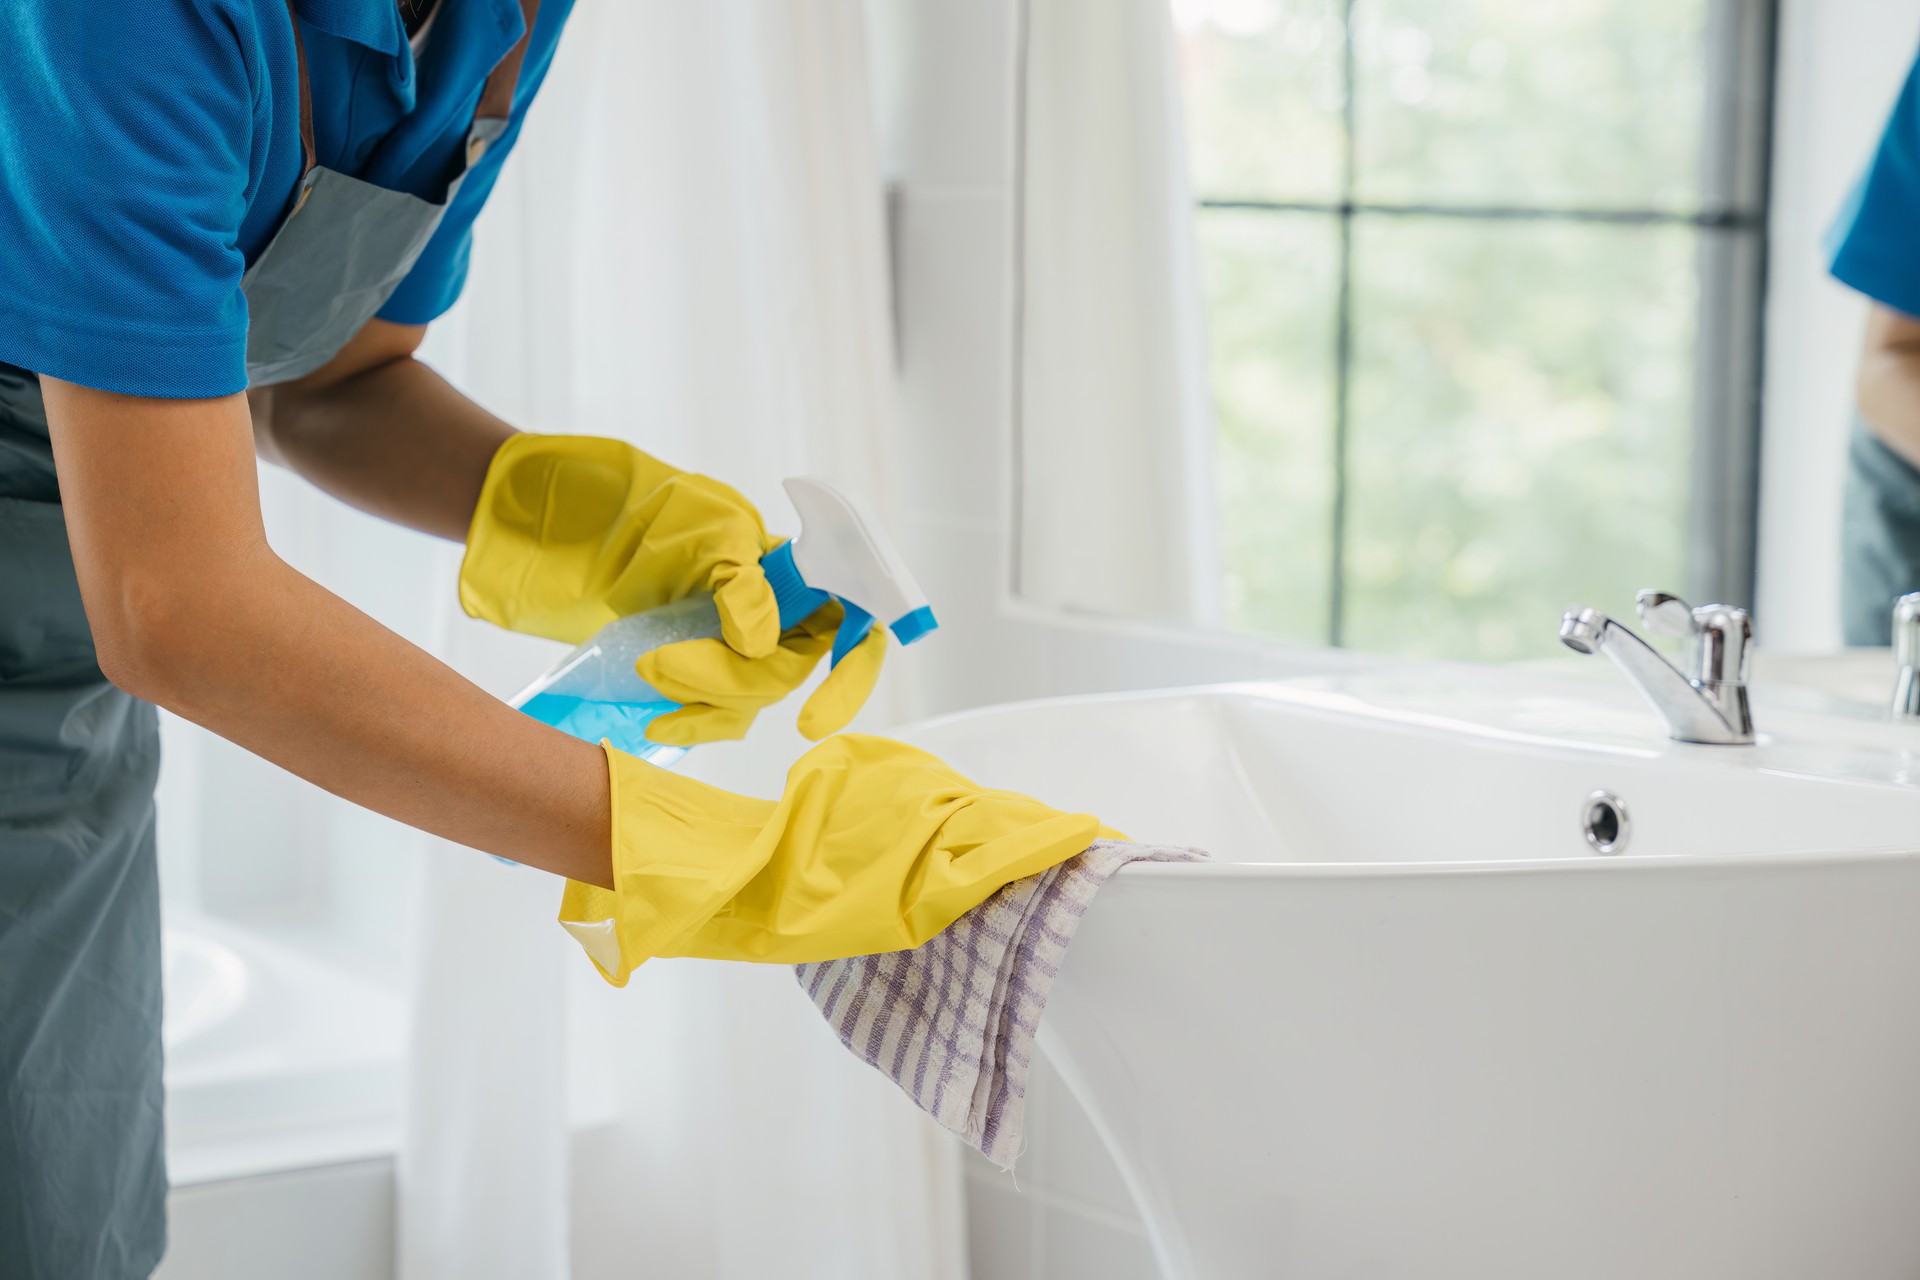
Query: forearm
[1888, 387]
[296, 675]
[382, 432]
[191, 609]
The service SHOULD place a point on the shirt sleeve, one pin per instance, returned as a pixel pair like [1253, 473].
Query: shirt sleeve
[436, 279]
[434, 282]
[1874, 245]
[125, 134]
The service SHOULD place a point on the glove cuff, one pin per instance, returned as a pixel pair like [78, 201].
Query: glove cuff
[681, 850]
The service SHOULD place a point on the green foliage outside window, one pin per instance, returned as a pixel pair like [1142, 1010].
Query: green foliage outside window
[1520, 390]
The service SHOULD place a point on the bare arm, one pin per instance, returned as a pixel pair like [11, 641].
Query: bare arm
[383, 432]
[191, 609]
[1889, 381]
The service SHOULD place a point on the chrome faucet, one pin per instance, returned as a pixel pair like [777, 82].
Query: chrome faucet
[1707, 700]
[1906, 652]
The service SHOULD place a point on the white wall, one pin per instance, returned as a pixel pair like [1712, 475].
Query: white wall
[1841, 64]
[946, 103]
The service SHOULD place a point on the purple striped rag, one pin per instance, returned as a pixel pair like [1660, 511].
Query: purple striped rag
[952, 1022]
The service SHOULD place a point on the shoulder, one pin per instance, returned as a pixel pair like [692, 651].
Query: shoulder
[85, 38]
[89, 23]
[128, 134]
[1903, 122]
[1885, 201]
[78, 70]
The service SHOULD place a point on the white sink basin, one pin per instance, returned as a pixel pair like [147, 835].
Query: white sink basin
[1850, 682]
[1412, 1024]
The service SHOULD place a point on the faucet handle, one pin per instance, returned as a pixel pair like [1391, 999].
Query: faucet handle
[1906, 652]
[1665, 614]
[1906, 630]
[1718, 636]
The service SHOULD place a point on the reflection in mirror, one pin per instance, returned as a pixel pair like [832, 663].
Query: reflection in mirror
[1480, 288]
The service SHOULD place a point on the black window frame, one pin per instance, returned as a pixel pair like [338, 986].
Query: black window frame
[1729, 356]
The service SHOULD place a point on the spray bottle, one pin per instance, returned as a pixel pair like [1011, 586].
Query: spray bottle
[841, 553]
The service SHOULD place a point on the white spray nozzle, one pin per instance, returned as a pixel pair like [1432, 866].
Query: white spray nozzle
[842, 550]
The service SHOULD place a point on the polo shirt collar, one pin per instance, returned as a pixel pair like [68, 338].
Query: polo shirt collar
[373, 23]
[377, 24]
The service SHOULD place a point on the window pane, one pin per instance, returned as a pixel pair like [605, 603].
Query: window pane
[1584, 103]
[1271, 299]
[1261, 87]
[1520, 430]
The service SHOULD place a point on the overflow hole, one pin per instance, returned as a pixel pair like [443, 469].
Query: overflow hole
[1604, 823]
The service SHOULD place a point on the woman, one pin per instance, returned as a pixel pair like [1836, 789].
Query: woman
[224, 226]
[1874, 251]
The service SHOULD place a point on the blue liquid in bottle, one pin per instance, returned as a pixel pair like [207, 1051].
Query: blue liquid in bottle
[622, 723]
[594, 692]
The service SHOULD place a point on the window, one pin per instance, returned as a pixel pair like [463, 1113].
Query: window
[1483, 291]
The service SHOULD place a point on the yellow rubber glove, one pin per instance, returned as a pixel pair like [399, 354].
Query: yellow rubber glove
[875, 846]
[572, 532]
[721, 691]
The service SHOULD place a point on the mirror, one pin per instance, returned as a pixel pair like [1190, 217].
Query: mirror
[1478, 323]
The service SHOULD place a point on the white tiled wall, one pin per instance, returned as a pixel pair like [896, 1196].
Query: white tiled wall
[944, 75]
[946, 101]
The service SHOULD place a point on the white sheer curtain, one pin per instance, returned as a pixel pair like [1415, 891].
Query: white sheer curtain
[688, 251]
[698, 265]
[1114, 411]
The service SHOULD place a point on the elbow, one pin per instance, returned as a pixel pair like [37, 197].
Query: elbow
[1883, 399]
[1868, 384]
[166, 623]
[145, 638]
[1886, 385]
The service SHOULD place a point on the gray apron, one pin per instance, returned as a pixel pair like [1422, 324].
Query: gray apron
[82, 1159]
[1879, 537]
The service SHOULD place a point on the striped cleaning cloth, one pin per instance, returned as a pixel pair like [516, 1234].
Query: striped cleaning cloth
[952, 1022]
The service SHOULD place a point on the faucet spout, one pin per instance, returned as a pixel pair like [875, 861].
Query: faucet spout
[1713, 711]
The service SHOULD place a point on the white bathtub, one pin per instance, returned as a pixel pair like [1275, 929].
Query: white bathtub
[275, 1060]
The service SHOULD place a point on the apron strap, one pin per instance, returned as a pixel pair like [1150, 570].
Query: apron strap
[306, 97]
[496, 99]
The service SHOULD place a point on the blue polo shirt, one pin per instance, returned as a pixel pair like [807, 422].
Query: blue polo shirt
[150, 148]
[1875, 242]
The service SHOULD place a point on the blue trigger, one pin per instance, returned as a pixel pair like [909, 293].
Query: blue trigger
[853, 629]
[797, 600]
